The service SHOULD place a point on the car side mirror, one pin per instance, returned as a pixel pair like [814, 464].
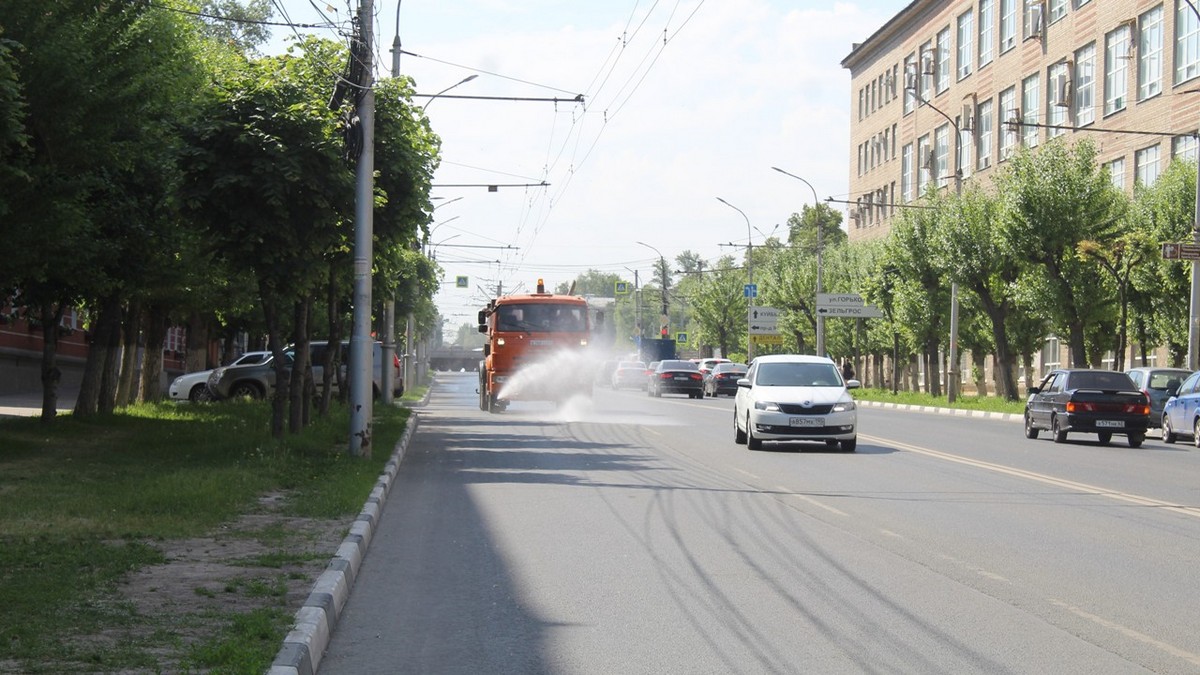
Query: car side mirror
[853, 384]
[743, 382]
[1034, 390]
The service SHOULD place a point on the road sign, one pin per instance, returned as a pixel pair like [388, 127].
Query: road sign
[763, 320]
[775, 339]
[681, 338]
[462, 282]
[864, 312]
[622, 288]
[839, 300]
[1180, 250]
[750, 291]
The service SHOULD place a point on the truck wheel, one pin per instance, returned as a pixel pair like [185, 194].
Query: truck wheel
[493, 406]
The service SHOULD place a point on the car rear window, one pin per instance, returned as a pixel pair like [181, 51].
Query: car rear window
[1166, 380]
[1100, 379]
[678, 365]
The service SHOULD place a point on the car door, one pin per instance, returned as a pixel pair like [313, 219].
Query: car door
[1039, 408]
[741, 400]
[1187, 400]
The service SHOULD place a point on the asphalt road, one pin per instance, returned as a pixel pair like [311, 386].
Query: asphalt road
[631, 535]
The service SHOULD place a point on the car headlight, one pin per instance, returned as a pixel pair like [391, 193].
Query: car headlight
[766, 405]
[216, 374]
[843, 406]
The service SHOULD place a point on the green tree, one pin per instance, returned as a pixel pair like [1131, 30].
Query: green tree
[239, 26]
[1053, 200]
[593, 283]
[719, 306]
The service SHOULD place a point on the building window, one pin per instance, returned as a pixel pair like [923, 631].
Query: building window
[1184, 148]
[928, 70]
[941, 155]
[966, 44]
[1058, 9]
[983, 132]
[924, 162]
[1145, 165]
[1149, 53]
[1058, 99]
[1085, 85]
[895, 130]
[1116, 170]
[1116, 69]
[1187, 42]
[1030, 90]
[1008, 112]
[987, 19]
[1008, 24]
[943, 60]
[906, 167]
[911, 80]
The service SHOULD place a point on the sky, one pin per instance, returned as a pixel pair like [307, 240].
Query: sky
[684, 101]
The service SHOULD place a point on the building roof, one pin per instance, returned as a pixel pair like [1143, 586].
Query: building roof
[862, 50]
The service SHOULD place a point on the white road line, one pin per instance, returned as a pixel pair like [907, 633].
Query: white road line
[1041, 478]
[1190, 657]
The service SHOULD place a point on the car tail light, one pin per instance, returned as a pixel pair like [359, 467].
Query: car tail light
[697, 376]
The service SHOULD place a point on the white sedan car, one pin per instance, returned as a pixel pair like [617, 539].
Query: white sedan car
[794, 397]
[193, 386]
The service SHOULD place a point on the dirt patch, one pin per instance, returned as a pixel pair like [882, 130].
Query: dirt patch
[262, 560]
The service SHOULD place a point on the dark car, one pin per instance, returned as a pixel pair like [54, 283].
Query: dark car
[676, 377]
[1101, 402]
[722, 379]
[1159, 384]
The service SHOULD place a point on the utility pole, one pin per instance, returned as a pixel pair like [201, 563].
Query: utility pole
[361, 351]
[749, 277]
[389, 305]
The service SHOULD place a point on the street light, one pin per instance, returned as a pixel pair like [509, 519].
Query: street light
[820, 248]
[462, 81]
[952, 369]
[749, 275]
[663, 266]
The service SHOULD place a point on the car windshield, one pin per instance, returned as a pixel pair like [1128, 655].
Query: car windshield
[1100, 379]
[542, 317]
[797, 375]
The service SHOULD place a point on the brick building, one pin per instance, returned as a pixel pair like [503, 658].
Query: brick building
[935, 88]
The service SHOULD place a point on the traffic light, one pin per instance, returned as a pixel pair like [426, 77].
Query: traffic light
[663, 331]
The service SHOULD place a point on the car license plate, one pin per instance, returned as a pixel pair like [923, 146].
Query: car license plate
[806, 422]
[1109, 423]
[684, 378]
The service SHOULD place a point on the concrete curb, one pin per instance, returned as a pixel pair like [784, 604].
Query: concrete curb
[984, 414]
[306, 643]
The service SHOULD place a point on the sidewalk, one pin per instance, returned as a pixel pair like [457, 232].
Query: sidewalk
[29, 404]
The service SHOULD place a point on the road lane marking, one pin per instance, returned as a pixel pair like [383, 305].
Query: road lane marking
[812, 501]
[1171, 649]
[1040, 478]
[746, 473]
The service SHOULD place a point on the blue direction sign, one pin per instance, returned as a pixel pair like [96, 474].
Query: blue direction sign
[681, 338]
[750, 291]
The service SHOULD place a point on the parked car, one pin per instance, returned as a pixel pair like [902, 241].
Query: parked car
[194, 386]
[629, 374]
[795, 397]
[1181, 412]
[722, 379]
[1158, 384]
[675, 376]
[258, 380]
[1101, 402]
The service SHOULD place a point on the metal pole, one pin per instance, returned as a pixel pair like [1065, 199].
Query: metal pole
[820, 250]
[389, 305]
[361, 352]
[1193, 354]
[662, 262]
[749, 276]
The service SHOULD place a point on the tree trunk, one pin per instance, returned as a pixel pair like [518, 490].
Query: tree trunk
[933, 380]
[157, 323]
[130, 330]
[279, 399]
[979, 359]
[197, 344]
[51, 316]
[301, 372]
[104, 338]
[332, 318]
